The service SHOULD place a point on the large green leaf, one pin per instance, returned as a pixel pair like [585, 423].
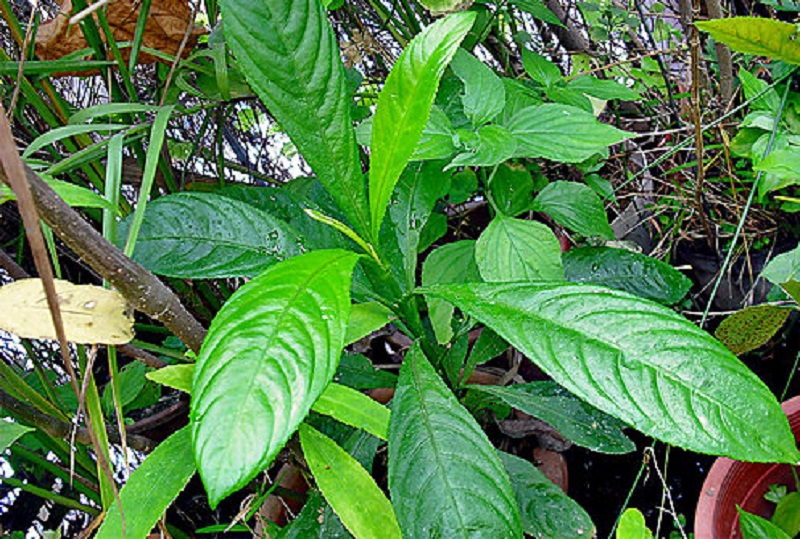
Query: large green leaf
[151, 489]
[404, 106]
[561, 133]
[484, 93]
[445, 477]
[316, 520]
[175, 376]
[288, 206]
[366, 318]
[516, 250]
[603, 88]
[538, 10]
[436, 141]
[756, 35]
[205, 236]
[783, 5]
[512, 189]
[755, 527]
[289, 55]
[519, 96]
[784, 165]
[568, 96]
[346, 485]
[488, 346]
[628, 271]
[787, 514]
[784, 270]
[545, 510]
[638, 361]
[270, 352]
[130, 381]
[450, 263]
[632, 526]
[752, 86]
[578, 421]
[575, 206]
[357, 371]
[439, 7]
[540, 68]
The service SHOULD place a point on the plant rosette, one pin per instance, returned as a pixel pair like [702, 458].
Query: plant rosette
[731, 483]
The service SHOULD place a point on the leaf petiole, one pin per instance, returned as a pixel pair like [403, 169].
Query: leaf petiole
[347, 231]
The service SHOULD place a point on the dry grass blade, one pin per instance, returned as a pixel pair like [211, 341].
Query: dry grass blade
[14, 173]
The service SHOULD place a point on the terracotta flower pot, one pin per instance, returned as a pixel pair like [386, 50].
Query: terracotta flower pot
[731, 483]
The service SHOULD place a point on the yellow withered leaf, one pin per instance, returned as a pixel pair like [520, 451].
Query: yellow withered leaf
[92, 315]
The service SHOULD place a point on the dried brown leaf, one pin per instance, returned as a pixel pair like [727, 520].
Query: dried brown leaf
[166, 25]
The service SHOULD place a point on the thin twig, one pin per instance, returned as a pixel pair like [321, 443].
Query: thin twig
[78, 17]
[178, 55]
[698, 125]
[21, 69]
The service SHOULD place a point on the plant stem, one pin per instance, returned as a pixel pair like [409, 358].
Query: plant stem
[746, 210]
[47, 495]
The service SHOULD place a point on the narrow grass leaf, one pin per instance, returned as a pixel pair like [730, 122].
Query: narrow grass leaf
[348, 488]
[151, 488]
[353, 408]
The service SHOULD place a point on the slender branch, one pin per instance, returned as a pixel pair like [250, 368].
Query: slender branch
[570, 34]
[145, 357]
[160, 418]
[10, 265]
[723, 57]
[696, 116]
[61, 429]
[140, 287]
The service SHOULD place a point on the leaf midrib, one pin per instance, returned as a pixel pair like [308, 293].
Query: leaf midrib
[441, 470]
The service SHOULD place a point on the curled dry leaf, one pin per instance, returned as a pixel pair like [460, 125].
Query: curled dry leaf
[164, 31]
[92, 315]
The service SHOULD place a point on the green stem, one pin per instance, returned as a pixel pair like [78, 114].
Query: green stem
[47, 495]
[82, 463]
[154, 348]
[79, 483]
[41, 374]
[14, 385]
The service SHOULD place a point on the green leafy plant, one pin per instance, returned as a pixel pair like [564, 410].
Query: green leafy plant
[319, 263]
[276, 343]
